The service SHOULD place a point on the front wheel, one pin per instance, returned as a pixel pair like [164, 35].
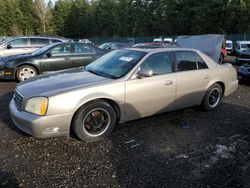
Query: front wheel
[25, 72]
[94, 121]
[212, 97]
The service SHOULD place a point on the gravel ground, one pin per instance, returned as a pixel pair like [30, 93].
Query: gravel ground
[186, 148]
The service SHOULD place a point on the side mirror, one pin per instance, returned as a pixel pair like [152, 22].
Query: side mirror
[48, 54]
[146, 72]
[9, 46]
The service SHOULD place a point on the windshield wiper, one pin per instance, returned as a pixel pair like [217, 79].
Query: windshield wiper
[93, 72]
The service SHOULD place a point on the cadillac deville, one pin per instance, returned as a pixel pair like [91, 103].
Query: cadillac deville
[120, 86]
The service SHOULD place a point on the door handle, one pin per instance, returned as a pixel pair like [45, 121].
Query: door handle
[206, 77]
[168, 82]
[67, 58]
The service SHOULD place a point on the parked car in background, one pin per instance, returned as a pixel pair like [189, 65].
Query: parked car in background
[244, 72]
[120, 86]
[151, 45]
[169, 41]
[229, 46]
[85, 41]
[114, 46]
[24, 45]
[242, 52]
[54, 57]
[157, 40]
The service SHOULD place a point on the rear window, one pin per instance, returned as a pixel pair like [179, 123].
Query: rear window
[55, 41]
[36, 42]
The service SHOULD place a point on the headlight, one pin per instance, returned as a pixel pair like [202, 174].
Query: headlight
[37, 105]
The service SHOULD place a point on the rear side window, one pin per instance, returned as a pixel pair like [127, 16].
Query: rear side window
[60, 50]
[38, 42]
[187, 60]
[19, 43]
[83, 49]
[160, 63]
[55, 41]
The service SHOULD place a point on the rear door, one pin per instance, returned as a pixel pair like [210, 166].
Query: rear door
[83, 54]
[192, 76]
[57, 58]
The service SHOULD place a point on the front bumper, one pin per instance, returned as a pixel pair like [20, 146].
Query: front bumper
[41, 126]
[240, 60]
[7, 74]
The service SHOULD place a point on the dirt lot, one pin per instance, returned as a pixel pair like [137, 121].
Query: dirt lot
[187, 148]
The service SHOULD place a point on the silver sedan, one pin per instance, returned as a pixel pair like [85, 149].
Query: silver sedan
[120, 86]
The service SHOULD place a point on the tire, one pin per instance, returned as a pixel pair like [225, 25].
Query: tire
[94, 121]
[210, 102]
[221, 59]
[25, 72]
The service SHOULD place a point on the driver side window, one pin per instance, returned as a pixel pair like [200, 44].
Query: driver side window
[160, 63]
[63, 49]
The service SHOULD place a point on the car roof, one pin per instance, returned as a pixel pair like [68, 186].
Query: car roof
[229, 41]
[155, 50]
[42, 37]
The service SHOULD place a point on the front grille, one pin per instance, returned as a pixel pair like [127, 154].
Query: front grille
[18, 98]
[245, 56]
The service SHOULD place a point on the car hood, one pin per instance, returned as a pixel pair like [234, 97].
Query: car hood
[208, 44]
[16, 57]
[59, 82]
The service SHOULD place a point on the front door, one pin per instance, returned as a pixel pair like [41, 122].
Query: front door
[155, 94]
[16, 47]
[58, 58]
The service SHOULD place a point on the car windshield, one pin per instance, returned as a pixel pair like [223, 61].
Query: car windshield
[104, 45]
[245, 46]
[115, 64]
[43, 49]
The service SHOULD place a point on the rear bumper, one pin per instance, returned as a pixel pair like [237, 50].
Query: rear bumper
[231, 87]
[41, 126]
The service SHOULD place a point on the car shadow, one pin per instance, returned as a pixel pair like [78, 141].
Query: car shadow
[152, 151]
[8, 180]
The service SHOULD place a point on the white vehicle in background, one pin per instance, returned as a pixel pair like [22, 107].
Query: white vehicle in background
[241, 46]
[27, 44]
[229, 46]
[157, 40]
[168, 41]
[85, 41]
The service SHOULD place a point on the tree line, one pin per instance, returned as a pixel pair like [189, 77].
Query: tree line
[123, 18]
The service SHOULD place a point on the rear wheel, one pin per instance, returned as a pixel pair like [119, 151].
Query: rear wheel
[212, 97]
[25, 72]
[94, 121]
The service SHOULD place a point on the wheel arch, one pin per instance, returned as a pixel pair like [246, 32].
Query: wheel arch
[114, 104]
[29, 64]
